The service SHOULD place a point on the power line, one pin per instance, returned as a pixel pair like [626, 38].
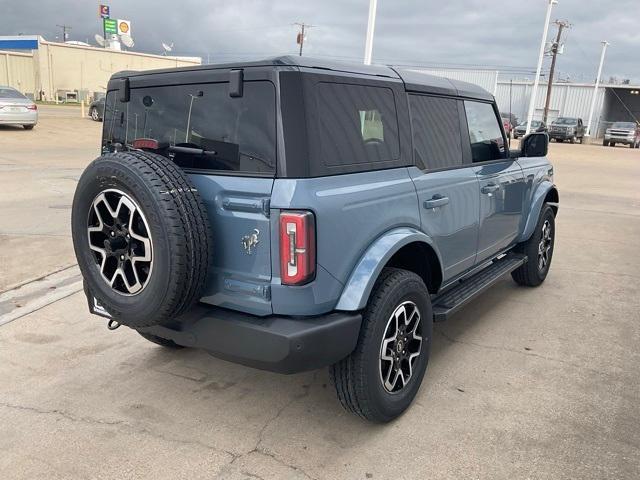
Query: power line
[65, 29]
[301, 34]
[555, 47]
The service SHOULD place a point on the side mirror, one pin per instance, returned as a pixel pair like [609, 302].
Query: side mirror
[535, 145]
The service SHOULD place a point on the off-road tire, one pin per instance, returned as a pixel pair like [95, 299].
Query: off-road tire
[530, 274]
[357, 378]
[163, 342]
[179, 230]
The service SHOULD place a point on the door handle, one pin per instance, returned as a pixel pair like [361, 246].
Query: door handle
[490, 188]
[435, 201]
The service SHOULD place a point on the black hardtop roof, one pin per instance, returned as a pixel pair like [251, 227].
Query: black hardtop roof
[414, 80]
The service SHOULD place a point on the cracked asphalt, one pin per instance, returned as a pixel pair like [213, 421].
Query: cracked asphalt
[522, 383]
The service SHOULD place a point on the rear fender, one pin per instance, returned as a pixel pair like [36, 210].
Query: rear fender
[358, 288]
[537, 201]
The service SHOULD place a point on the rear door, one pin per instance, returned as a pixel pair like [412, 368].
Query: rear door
[234, 178]
[500, 179]
[447, 186]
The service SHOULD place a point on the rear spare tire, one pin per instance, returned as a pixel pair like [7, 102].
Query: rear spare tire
[141, 236]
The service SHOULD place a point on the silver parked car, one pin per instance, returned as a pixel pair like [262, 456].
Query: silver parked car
[16, 109]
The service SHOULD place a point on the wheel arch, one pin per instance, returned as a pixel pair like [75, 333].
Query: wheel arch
[400, 248]
[546, 193]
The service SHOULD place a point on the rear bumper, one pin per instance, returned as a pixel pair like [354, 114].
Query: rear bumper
[27, 118]
[277, 343]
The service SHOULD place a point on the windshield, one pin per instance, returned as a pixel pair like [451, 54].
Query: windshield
[238, 133]
[629, 125]
[566, 121]
[534, 124]
[10, 93]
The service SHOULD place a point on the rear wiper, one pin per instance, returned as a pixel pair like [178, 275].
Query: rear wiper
[191, 151]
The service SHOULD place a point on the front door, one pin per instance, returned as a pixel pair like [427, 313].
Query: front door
[447, 187]
[501, 181]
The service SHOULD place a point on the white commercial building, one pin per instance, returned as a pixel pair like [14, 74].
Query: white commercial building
[49, 70]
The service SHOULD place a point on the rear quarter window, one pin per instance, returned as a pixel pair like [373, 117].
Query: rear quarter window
[357, 125]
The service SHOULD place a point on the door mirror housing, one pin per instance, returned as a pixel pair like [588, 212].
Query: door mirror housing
[535, 145]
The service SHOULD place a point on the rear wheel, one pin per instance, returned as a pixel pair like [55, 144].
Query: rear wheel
[612, 144]
[539, 251]
[28, 127]
[381, 377]
[605, 143]
[559, 140]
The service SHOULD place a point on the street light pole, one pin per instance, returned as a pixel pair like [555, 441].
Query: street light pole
[595, 89]
[534, 93]
[368, 47]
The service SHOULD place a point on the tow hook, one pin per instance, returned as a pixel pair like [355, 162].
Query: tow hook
[112, 324]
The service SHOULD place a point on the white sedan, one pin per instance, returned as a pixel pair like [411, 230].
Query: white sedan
[16, 109]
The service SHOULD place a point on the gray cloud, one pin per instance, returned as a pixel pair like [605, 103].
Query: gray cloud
[501, 35]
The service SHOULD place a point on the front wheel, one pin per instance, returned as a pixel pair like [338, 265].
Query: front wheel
[381, 377]
[539, 251]
[95, 116]
[605, 143]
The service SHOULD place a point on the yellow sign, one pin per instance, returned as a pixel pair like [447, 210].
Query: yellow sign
[124, 27]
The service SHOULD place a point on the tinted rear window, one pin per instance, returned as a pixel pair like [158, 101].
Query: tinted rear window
[357, 124]
[10, 93]
[436, 132]
[240, 130]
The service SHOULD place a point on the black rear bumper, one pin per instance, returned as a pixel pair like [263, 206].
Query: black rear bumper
[278, 344]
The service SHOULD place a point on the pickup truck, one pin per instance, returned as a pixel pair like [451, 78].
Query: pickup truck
[626, 133]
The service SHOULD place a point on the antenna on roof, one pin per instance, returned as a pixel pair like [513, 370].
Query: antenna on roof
[167, 48]
[127, 40]
[99, 39]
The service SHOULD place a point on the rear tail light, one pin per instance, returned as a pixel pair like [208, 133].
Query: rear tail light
[141, 143]
[32, 107]
[297, 247]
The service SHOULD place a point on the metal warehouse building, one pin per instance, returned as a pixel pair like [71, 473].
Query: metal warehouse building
[49, 71]
[614, 103]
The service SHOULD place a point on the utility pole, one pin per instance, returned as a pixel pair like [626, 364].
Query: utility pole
[562, 24]
[536, 81]
[371, 26]
[301, 34]
[65, 29]
[595, 89]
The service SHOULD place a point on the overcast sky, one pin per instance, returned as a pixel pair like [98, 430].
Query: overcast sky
[498, 34]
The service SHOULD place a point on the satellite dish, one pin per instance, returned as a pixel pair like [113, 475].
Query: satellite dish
[99, 39]
[126, 40]
[167, 48]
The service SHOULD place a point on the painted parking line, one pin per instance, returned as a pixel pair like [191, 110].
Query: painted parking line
[32, 296]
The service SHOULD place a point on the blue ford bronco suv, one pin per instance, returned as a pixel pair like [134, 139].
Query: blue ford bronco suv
[291, 214]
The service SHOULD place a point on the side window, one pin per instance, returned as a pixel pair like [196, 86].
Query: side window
[487, 142]
[436, 132]
[358, 124]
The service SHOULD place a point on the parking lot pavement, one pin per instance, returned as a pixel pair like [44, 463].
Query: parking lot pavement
[38, 174]
[523, 383]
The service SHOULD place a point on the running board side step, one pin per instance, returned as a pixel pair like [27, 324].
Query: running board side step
[467, 289]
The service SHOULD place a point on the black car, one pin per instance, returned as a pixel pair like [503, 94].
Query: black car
[536, 126]
[96, 110]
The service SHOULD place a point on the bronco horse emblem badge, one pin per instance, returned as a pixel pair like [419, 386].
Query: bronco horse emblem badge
[249, 242]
